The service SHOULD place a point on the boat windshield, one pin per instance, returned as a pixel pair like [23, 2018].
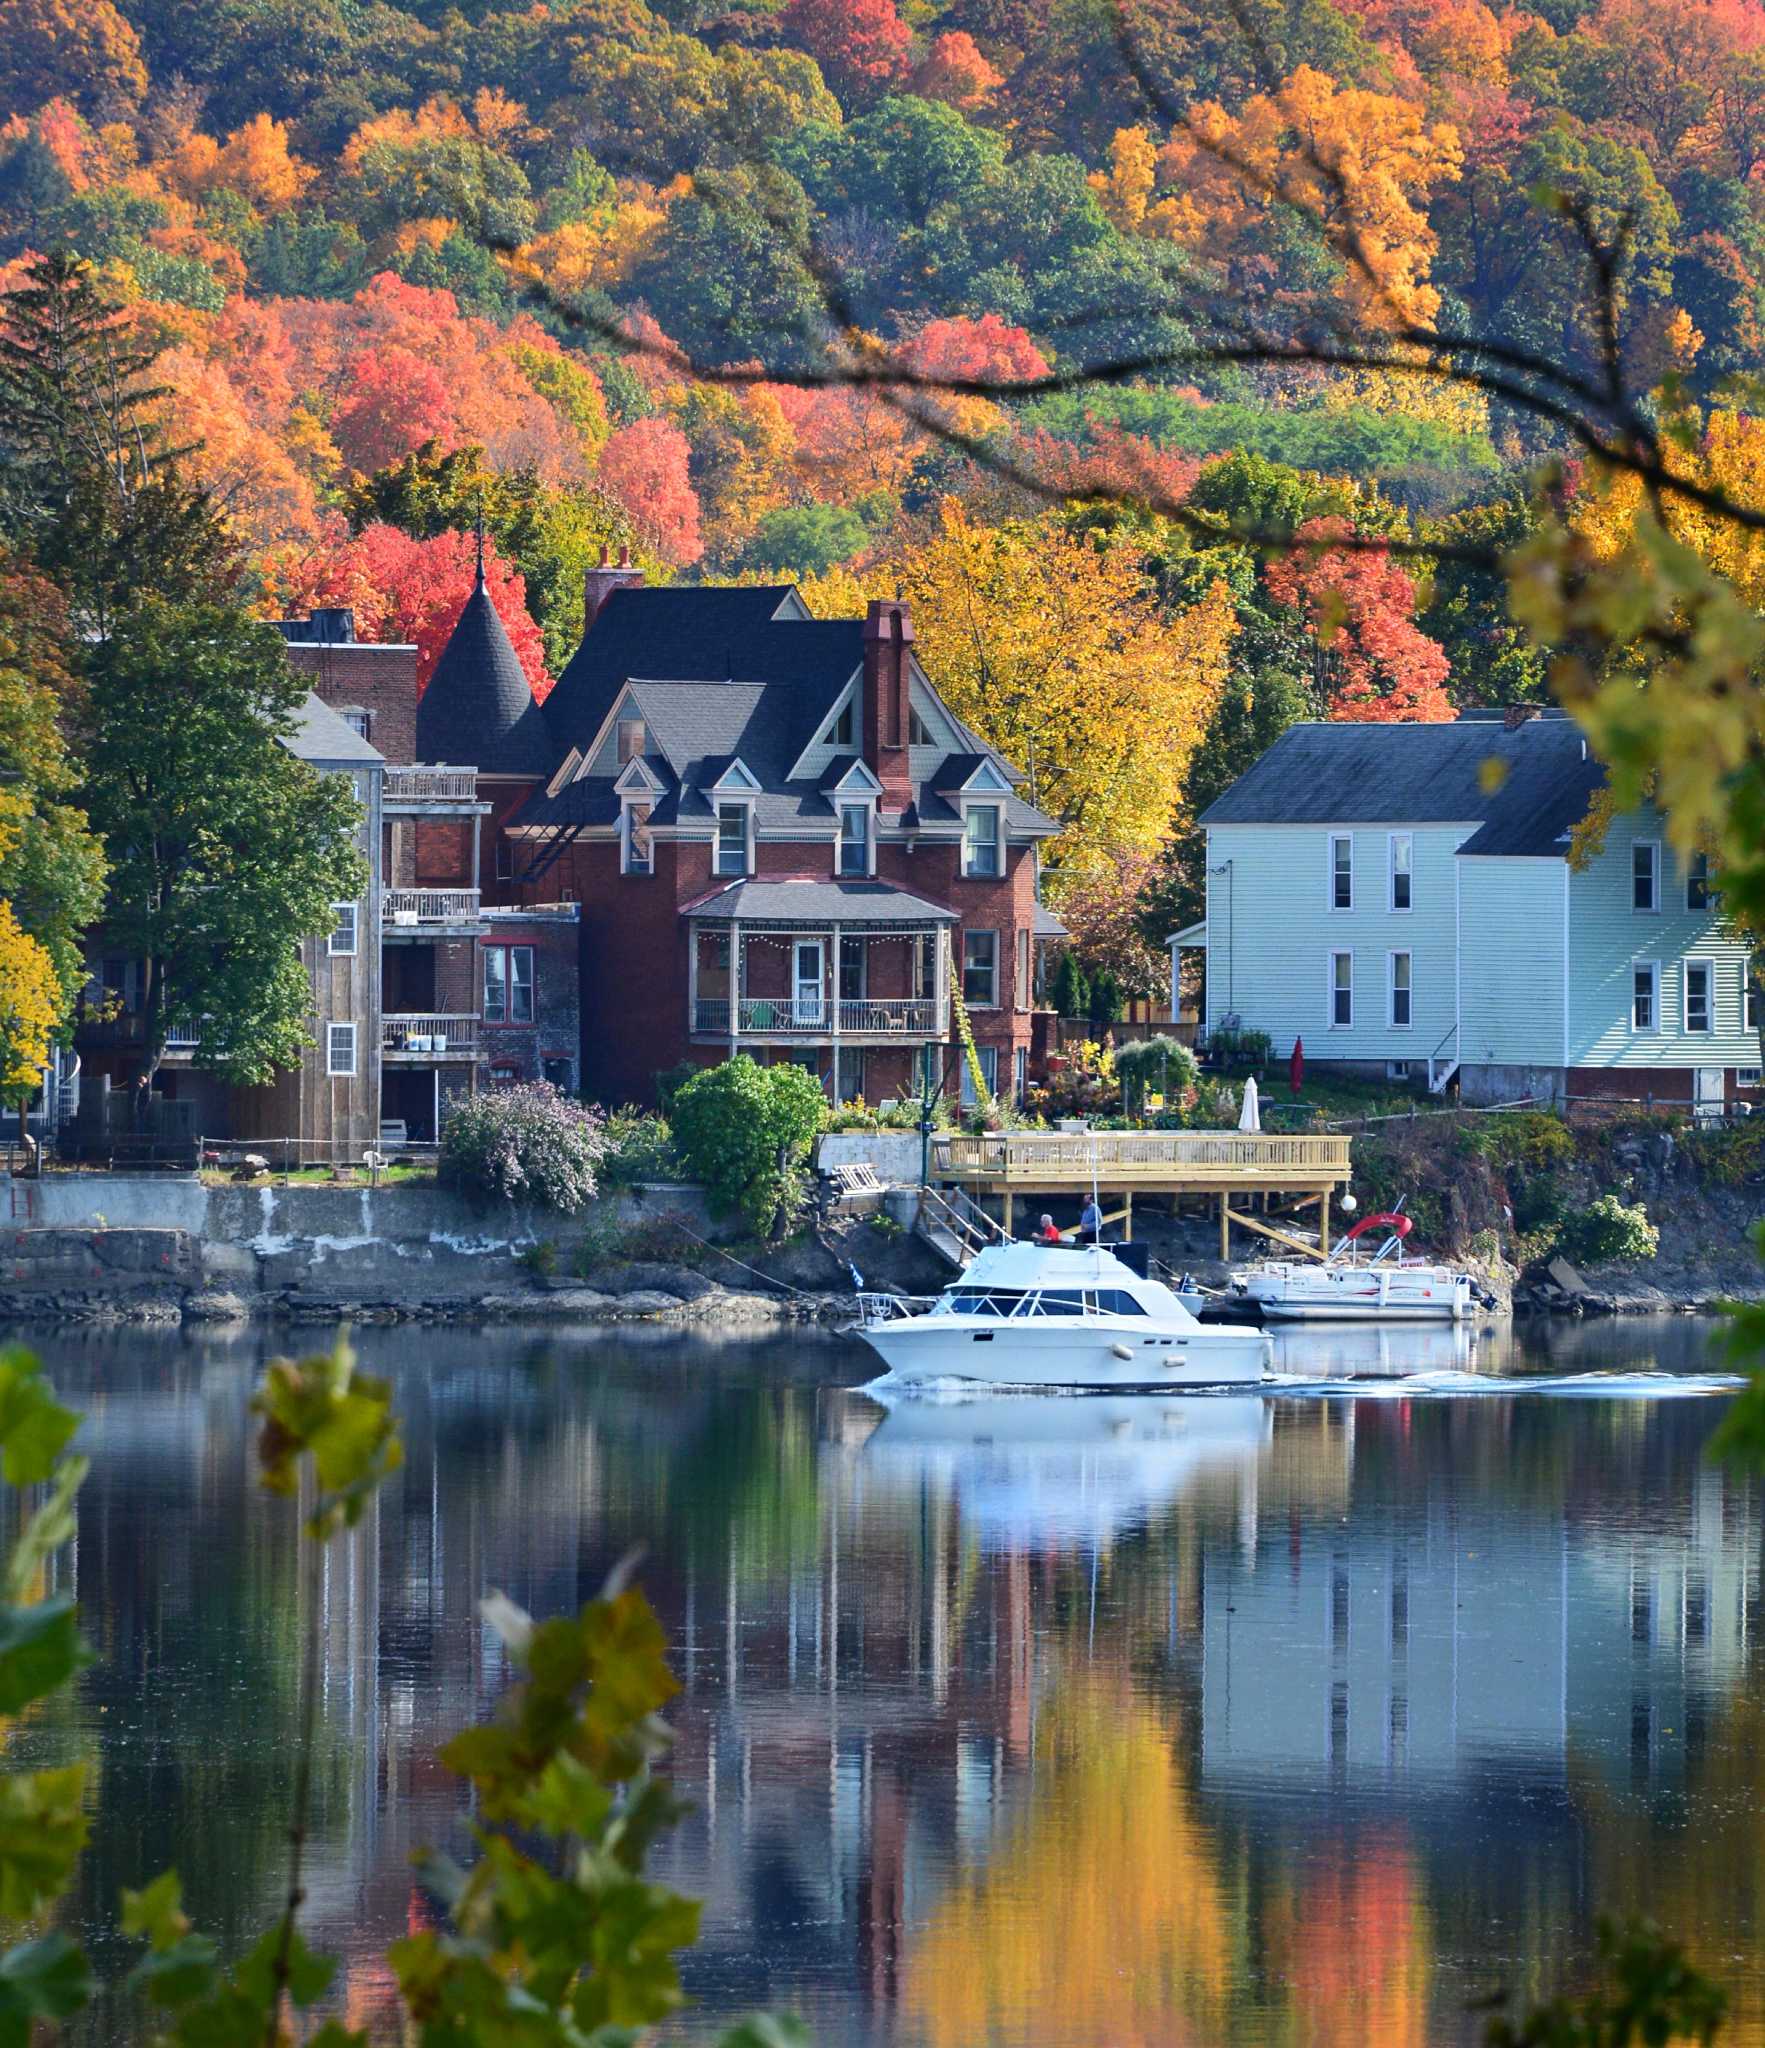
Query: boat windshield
[1050, 1301]
[982, 1301]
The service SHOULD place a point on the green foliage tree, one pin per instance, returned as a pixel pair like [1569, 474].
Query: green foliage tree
[1070, 993]
[745, 1131]
[226, 850]
[805, 540]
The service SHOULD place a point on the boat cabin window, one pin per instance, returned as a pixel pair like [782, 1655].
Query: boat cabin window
[992, 1301]
[1059, 1301]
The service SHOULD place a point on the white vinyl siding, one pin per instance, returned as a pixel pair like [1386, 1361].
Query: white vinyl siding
[1511, 939]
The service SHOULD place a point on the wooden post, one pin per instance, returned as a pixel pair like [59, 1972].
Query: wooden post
[692, 978]
[1128, 1216]
[1008, 1201]
[1225, 1227]
[1324, 1221]
[735, 985]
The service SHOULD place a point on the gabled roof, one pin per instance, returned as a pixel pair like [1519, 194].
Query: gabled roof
[1352, 774]
[319, 735]
[479, 709]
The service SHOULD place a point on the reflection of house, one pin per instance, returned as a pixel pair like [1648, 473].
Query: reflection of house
[1364, 883]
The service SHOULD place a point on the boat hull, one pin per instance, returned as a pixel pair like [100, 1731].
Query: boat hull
[1096, 1355]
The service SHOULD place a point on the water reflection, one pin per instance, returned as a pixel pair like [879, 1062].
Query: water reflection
[1292, 1720]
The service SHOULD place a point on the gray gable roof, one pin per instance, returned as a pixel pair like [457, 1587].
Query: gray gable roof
[1353, 774]
[319, 735]
[479, 711]
[782, 899]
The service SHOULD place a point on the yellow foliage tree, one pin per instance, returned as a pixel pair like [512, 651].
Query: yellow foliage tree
[30, 1006]
[1057, 652]
[1360, 164]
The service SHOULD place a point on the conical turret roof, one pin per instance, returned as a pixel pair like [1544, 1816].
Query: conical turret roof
[478, 711]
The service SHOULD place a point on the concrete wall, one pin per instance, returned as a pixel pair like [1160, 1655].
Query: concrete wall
[896, 1155]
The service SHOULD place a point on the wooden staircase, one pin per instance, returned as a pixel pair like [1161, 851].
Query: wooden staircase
[956, 1227]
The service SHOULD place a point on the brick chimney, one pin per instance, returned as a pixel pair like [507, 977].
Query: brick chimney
[888, 637]
[601, 582]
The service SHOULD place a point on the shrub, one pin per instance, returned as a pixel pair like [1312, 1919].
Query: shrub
[1085, 1083]
[639, 1146]
[1158, 1066]
[524, 1144]
[745, 1131]
[1070, 993]
[1607, 1230]
[1233, 1047]
[1529, 1138]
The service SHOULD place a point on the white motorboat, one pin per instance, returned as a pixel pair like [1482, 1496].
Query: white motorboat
[1353, 1286]
[1031, 1315]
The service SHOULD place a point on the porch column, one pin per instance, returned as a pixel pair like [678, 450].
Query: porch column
[735, 984]
[692, 978]
[477, 837]
[834, 976]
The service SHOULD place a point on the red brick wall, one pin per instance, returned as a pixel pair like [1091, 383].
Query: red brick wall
[379, 680]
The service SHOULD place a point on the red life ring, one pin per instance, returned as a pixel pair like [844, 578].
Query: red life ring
[1400, 1226]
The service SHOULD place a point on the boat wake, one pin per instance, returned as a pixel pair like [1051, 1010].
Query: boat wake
[1610, 1386]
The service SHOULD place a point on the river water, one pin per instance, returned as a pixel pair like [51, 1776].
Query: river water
[1076, 1723]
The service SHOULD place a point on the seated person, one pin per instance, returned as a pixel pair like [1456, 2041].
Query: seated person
[1046, 1232]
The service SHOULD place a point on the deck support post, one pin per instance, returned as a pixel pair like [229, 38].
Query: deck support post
[1324, 1219]
[1225, 1227]
[1128, 1216]
[1008, 1229]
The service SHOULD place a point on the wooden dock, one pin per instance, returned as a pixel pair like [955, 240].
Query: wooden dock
[1299, 1170]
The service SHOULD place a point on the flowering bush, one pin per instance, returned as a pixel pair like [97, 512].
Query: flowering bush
[1081, 1082]
[1607, 1230]
[524, 1144]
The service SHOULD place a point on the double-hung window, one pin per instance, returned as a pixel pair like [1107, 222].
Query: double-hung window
[1698, 893]
[1400, 991]
[1700, 976]
[854, 847]
[340, 1049]
[1645, 995]
[1750, 995]
[981, 849]
[1341, 871]
[508, 984]
[1020, 987]
[1341, 991]
[631, 740]
[988, 1056]
[732, 839]
[1645, 874]
[1402, 858]
[343, 929]
[980, 970]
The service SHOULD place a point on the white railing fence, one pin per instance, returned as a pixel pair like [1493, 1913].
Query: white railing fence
[813, 1016]
[431, 784]
[427, 1037]
[430, 906]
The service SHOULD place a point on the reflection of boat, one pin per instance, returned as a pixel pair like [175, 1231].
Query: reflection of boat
[1025, 1470]
[1340, 1351]
[1055, 1316]
[1348, 1287]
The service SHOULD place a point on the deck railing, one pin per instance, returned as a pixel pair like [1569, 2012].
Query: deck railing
[404, 908]
[430, 784]
[813, 1017]
[408, 1036]
[1073, 1155]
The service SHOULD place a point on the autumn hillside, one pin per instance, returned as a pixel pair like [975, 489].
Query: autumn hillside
[585, 265]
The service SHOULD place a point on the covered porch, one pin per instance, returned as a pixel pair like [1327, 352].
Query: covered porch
[817, 963]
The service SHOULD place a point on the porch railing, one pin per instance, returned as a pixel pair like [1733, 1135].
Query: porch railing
[813, 1017]
[432, 1037]
[404, 908]
[430, 784]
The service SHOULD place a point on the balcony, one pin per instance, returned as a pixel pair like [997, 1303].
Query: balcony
[431, 914]
[867, 1020]
[413, 1040]
[432, 791]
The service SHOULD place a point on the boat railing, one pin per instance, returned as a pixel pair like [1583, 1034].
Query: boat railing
[887, 1308]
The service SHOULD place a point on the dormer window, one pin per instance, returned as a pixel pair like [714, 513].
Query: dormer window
[982, 851]
[733, 839]
[631, 740]
[855, 835]
[637, 850]
[918, 732]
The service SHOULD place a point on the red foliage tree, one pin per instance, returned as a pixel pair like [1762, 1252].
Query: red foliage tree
[954, 71]
[988, 350]
[394, 403]
[402, 588]
[644, 468]
[1373, 662]
[862, 46]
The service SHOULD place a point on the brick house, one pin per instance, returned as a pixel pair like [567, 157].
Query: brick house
[781, 840]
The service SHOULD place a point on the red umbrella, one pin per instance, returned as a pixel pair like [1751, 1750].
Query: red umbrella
[1296, 1066]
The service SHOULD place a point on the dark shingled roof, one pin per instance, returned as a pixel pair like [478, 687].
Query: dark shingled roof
[319, 735]
[821, 900]
[704, 633]
[479, 711]
[1354, 774]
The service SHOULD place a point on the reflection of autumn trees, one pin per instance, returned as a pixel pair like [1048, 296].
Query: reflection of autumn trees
[1351, 1945]
[1103, 1919]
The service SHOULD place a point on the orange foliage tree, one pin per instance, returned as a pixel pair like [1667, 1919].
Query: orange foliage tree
[1372, 661]
[645, 469]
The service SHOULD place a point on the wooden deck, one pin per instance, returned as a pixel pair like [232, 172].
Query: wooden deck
[1297, 1170]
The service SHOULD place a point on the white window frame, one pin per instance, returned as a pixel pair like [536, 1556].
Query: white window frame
[1652, 968]
[734, 803]
[359, 719]
[1708, 1029]
[997, 844]
[1391, 989]
[992, 1001]
[1749, 1077]
[1020, 1072]
[1653, 907]
[628, 808]
[1335, 840]
[342, 914]
[511, 981]
[1749, 999]
[988, 1056]
[1330, 959]
[1392, 871]
[867, 864]
[1697, 876]
[335, 1035]
[630, 740]
[1020, 980]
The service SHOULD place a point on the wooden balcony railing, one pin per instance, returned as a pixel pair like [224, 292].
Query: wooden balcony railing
[892, 1017]
[412, 1037]
[405, 909]
[430, 785]
[1047, 1158]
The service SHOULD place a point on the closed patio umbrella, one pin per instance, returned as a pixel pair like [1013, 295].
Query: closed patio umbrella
[1250, 1116]
[1296, 1066]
